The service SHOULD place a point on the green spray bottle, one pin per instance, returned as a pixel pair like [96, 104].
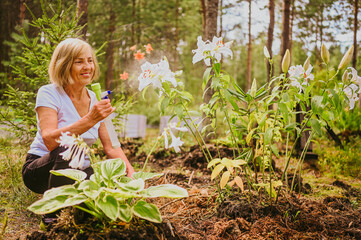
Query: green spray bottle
[107, 121]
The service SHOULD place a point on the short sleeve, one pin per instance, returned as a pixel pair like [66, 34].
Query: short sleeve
[48, 97]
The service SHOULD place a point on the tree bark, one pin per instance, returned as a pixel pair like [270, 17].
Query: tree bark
[211, 15]
[133, 21]
[204, 16]
[285, 28]
[82, 12]
[271, 8]
[109, 52]
[249, 50]
[354, 57]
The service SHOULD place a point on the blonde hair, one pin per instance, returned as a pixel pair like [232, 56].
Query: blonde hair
[62, 61]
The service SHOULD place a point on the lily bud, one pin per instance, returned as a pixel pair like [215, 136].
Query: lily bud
[325, 54]
[286, 61]
[346, 58]
[345, 76]
[306, 65]
[266, 52]
[254, 88]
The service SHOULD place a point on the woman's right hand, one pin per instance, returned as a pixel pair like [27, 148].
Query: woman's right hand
[100, 110]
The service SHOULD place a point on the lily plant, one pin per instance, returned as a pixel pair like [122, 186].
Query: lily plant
[259, 120]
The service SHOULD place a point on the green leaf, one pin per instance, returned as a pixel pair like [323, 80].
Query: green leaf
[268, 135]
[109, 205]
[75, 200]
[147, 211]
[164, 104]
[125, 212]
[134, 185]
[90, 189]
[206, 76]
[146, 175]
[44, 205]
[315, 124]
[66, 190]
[217, 68]
[165, 190]
[74, 174]
[254, 88]
[112, 168]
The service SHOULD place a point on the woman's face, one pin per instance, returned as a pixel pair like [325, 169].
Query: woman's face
[82, 69]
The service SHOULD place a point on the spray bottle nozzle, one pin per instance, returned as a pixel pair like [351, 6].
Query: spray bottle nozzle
[104, 95]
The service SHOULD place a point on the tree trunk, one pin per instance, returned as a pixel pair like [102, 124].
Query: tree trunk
[211, 15]
[220, 18]
[354, 57]
[249, 50]
[82, 8]
[109, 52]
[133, 21]
[285, 28]
[271, 8]
[204, 16]
[292, 17]
[176, 35]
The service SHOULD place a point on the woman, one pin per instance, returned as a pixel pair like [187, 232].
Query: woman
[67, 105]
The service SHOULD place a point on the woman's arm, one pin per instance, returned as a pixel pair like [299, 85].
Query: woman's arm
[110, 151]
[48, 122]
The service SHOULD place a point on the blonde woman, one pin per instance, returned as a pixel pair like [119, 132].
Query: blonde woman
[66, 105]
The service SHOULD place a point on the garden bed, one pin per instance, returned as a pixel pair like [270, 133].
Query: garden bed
[299, 216]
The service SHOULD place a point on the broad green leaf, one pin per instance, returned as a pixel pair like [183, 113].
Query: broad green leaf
[112, 168]
[125, 212]
[224, 179]
[146, 175]
[147, 211]
[90, 188]
[75, 200]
[216, 171]
[119, 194]
[164, 104]
[253, 90]
[206, 76]
[165, 190]
[135, 185]
[109, 205]
[74, 174]
[65, 190]
[45, 205]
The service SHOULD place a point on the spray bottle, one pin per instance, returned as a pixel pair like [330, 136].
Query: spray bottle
[107, 121]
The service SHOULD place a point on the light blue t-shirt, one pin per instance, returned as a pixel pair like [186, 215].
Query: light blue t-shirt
[55, 97]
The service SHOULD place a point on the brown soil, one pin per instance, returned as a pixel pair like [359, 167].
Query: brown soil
[201, 216]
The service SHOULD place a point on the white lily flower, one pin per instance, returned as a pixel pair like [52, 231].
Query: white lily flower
[164, 134]
[297, 72]
[147, 75]
[219, 48]
[214, 49]
[165, 74]
[176, 142]
[355, 78]
[202, 52]
[351, 93]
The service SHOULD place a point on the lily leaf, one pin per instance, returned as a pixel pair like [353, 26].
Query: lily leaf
[146, 175]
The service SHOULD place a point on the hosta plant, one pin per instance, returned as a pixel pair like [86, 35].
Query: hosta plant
[109, 194]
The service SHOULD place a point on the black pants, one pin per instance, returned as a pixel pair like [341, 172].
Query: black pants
[36, 175]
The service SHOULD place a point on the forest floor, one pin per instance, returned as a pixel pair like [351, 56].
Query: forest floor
[325, 208]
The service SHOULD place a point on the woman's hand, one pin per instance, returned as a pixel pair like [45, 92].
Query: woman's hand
[130, 171]
[100, 110]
